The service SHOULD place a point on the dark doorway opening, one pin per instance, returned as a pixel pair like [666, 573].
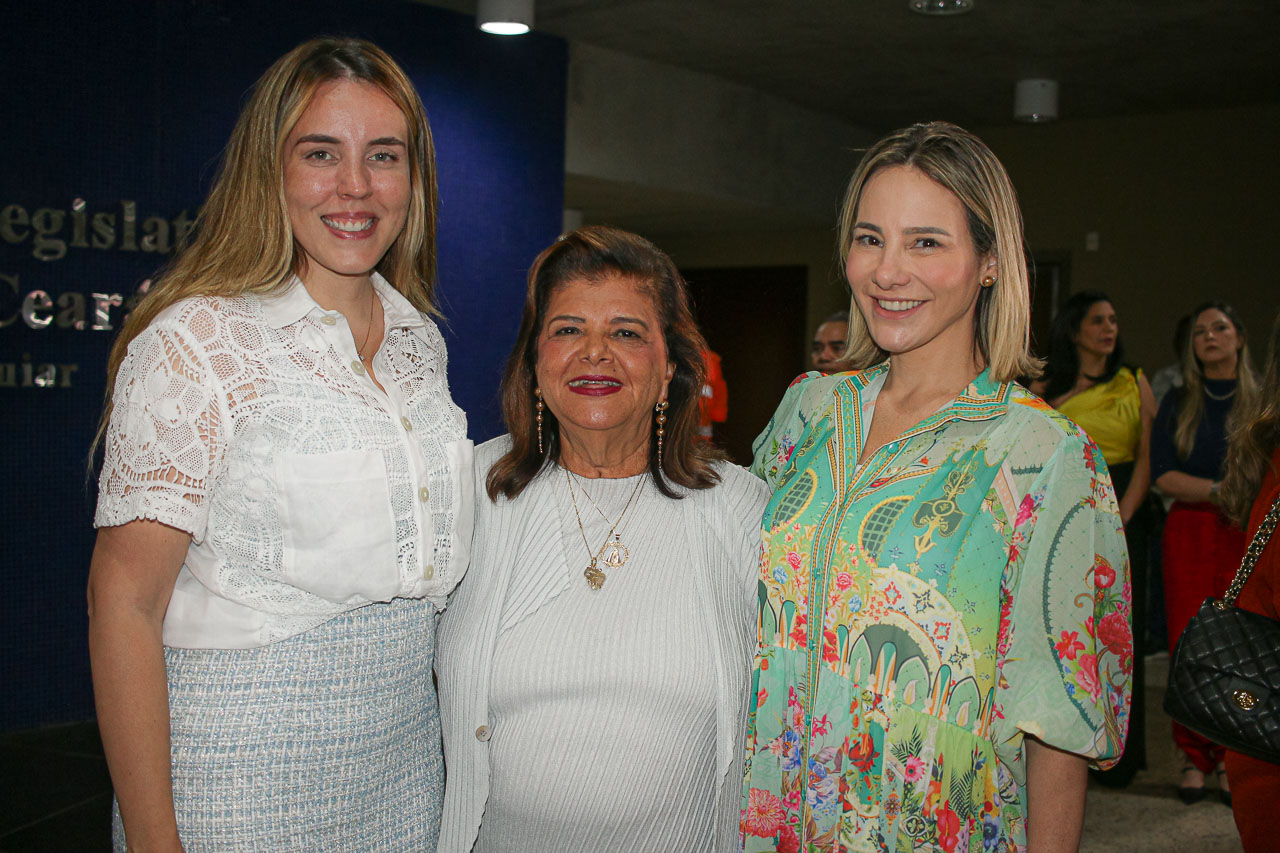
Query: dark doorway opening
[1050, 287]
[754, 319]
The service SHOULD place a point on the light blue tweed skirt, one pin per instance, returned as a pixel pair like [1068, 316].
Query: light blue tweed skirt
[326, 741]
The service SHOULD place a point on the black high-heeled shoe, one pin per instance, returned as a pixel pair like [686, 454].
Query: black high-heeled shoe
[1224, 793]
[1191, 794]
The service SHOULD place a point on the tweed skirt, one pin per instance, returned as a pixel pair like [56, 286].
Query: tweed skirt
[326, 741]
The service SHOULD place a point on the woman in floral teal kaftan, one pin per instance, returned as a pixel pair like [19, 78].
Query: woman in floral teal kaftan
[944, 597]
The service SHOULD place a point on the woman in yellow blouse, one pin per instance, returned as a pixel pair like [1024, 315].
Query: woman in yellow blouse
[1085, 379]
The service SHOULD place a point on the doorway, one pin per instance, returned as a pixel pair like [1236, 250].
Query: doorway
[754, 319]
[1050, 287]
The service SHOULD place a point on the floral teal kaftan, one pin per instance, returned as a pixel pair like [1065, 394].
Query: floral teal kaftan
[921, 612]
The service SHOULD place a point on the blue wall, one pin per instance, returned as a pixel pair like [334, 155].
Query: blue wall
[108, 103]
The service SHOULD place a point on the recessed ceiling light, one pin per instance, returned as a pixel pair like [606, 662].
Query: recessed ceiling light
[940, 7]
[505, 17]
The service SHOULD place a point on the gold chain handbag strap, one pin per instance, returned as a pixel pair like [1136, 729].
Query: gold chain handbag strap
[1256, 546]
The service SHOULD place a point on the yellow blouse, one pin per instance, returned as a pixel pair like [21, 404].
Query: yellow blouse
[1111, 413]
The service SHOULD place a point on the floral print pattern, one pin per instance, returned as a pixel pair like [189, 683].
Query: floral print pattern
[922, 612]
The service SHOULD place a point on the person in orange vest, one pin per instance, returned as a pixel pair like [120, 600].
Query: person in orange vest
[714, 405]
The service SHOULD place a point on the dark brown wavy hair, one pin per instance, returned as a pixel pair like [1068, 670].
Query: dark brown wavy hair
[595, 253]
[1062, 367]
[1254, 440]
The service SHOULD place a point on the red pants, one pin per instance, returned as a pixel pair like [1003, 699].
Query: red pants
[1200, 554]
[1255, 790]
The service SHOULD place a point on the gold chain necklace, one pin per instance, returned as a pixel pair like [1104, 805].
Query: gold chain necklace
[618, 553]
[367, 332]
[587, 495]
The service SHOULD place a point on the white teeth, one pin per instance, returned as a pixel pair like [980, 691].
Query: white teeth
[348, 224]
[585, 383]
[898, 304]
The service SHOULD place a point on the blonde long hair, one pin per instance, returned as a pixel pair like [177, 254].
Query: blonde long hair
[243, 241]
[1191, 404]
[963, 164]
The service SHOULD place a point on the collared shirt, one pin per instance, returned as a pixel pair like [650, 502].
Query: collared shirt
[922, 612]
[250, 423]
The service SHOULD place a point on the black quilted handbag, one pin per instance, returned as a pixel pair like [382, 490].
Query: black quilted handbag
[1224, 679]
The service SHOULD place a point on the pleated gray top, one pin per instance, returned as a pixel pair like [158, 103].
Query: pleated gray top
[611, 719]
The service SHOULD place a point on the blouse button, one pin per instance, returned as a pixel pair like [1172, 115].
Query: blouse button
[429, 572]
[357, 368]
[407, 424]
[483, 734]
[424, 494]
[329, 320]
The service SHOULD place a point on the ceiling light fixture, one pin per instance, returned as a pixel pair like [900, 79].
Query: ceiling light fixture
[505, 17]
[940, 7]
[1035, 100]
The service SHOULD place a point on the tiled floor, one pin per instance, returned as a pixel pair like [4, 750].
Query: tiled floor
[1147, 815]
[55, 796]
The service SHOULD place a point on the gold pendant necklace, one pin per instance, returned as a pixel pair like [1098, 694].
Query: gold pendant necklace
[367, 332]
[618, 553]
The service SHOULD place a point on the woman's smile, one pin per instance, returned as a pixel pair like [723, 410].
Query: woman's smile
[594, 386]
[602, 359]
[913, 268]
[898, 306]
[347, 149]
[358, 225]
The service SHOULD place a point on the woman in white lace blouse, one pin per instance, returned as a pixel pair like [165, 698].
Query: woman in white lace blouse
[285, 498]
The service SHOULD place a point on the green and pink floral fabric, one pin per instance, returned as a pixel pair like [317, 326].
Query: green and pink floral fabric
[921, 613]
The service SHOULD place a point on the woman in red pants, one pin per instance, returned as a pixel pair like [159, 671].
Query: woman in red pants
[1249, 489]
[1201, 548]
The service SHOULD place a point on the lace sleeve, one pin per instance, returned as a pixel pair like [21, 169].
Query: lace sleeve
[165, 436]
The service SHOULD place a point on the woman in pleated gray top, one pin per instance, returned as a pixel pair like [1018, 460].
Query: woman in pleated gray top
[594, 666]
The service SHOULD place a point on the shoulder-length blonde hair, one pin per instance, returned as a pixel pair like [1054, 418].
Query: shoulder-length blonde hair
[243, 241]
[1191, 402]
[1254, 439]
[594, 253]
[964, 165]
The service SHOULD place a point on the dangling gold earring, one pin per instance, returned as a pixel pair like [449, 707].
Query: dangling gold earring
[988, 281]
[661, 409]
[537, 392]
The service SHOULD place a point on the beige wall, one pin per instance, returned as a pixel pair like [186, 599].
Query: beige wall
[1186, 207]
[641, 124]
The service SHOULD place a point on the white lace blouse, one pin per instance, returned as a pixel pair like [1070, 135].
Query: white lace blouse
[250, 423]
